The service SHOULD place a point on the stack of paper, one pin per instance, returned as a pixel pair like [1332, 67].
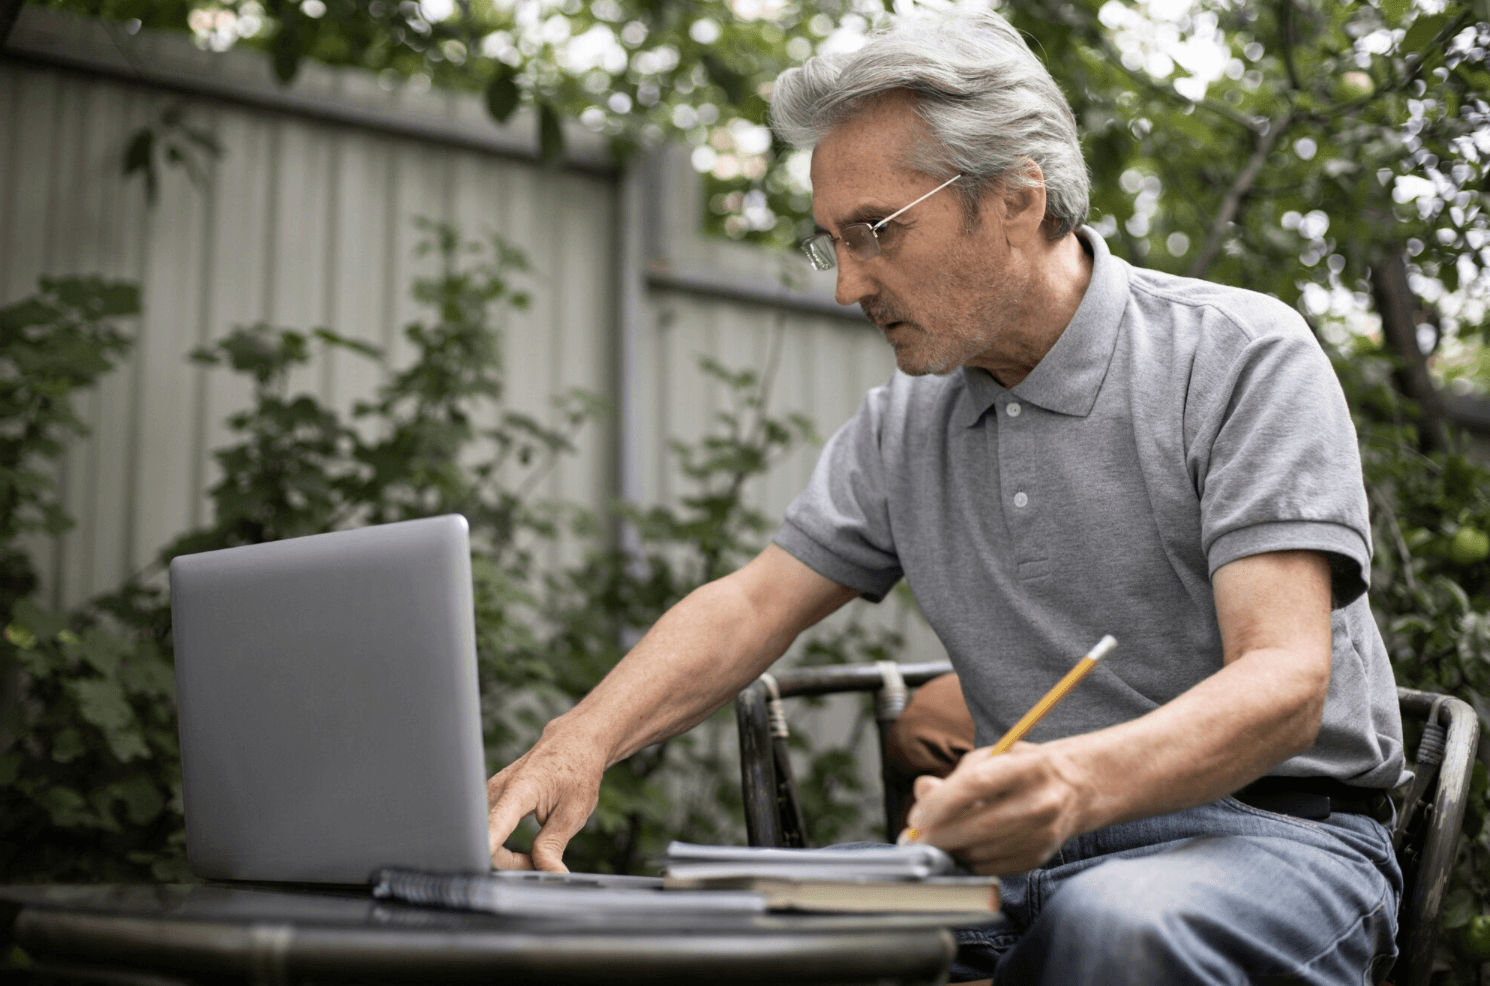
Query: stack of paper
[878, 878]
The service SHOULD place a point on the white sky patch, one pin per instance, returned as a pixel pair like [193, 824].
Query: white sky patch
[435, 11]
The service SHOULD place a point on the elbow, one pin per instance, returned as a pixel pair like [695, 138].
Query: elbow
[1305, 709]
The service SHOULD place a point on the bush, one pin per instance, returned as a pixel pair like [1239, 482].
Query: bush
[92, 783]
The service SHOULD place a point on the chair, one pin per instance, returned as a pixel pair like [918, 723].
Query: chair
[1430, 811]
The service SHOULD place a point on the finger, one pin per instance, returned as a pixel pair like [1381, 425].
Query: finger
[923, 786]
[549, 844]
[503, 858]
[963, 793]
[507, 811]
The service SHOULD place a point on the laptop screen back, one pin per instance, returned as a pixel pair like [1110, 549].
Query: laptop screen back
[329, 712]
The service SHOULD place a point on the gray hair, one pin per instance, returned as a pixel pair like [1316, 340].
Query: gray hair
[989, 102]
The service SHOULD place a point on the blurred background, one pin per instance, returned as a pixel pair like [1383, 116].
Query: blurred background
[269, 268]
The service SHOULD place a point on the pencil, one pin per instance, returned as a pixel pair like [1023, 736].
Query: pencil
[1061, 689]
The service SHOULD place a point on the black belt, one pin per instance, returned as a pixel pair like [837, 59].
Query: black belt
[1311, 797]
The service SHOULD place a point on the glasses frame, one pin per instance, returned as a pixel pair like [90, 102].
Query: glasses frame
[819, 246]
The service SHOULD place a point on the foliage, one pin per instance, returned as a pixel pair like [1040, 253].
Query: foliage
[86, 711]
[92, 784]
[1431, 598]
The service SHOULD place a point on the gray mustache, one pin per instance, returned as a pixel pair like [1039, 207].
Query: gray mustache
[882, 313]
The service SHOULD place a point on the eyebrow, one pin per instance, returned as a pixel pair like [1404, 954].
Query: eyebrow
[869, 215]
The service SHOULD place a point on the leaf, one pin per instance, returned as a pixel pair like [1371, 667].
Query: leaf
[1394, 10]
[1459, 908]
[1423, 30]
[139, 156]
[142, 799]
[20, 636]
[726, 78]
[101, 702]
[503, 95]
[137, 152]
[550, 134]
[286, 51]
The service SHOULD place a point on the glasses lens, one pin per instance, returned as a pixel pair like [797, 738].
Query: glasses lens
[861, 241]
[819, 250]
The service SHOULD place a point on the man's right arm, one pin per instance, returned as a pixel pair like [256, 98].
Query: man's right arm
[694, 659]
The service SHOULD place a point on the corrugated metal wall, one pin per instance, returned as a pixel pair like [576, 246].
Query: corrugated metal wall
[307, 220]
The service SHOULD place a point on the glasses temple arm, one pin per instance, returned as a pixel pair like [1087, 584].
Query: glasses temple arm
[923, 198]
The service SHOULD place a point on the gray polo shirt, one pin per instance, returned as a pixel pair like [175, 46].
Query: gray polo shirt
[1175, 426]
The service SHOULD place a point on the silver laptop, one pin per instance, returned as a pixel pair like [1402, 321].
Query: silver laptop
[330, 722]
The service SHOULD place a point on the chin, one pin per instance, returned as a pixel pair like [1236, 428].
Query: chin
[914, 364]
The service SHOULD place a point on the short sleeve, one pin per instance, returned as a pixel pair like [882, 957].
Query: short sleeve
[839, 526]
[1277, 465]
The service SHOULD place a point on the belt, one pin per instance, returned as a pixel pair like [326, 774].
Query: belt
[1311, 797]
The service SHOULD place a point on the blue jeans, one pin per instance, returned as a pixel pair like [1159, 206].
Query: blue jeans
[1221, 893]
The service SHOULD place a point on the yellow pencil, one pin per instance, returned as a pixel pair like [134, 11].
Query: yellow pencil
[1061, 690]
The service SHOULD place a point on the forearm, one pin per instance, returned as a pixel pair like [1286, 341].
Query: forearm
[1226, 731]
[1010, 812]
[692, 661]
[700, 654]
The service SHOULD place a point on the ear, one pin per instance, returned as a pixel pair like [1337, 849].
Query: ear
[1024, 203]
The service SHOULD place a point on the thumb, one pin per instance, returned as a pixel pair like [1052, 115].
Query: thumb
[924, 785]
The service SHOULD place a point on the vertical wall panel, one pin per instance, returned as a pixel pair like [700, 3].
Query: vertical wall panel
[239, 278]
[307, 224]
[363, 227]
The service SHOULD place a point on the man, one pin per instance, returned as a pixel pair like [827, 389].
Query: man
[1072, 447]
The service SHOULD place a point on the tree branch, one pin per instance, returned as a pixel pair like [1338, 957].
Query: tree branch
[1115, 57]
[1287, 14]
[1398, 308]
[1238, 191]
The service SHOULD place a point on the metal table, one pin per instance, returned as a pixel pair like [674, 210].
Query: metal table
[174, 934]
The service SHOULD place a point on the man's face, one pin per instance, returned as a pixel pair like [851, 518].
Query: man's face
[943, 294]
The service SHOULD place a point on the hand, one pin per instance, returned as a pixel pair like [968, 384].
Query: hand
[1002, 814]
[558, 783]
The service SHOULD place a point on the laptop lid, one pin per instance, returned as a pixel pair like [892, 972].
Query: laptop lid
[329, 712]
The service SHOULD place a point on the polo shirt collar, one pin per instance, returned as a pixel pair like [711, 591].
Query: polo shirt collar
[1069, 377]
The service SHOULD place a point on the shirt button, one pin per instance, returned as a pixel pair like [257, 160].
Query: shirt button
[1020, 499]
[1014, 409]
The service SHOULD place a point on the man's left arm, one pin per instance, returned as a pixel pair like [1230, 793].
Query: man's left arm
[1010, 813]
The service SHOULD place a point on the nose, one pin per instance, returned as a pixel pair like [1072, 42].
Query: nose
[854, 283]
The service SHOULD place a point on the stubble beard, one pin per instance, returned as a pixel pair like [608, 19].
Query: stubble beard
[919, 352]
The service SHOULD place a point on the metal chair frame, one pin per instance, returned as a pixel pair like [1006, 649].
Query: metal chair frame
[773, 812]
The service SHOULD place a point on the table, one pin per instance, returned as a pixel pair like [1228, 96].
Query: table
[181, 933]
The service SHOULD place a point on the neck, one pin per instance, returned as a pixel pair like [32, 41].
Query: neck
[1056, 282]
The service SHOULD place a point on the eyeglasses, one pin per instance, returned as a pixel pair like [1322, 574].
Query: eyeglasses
[861, 239]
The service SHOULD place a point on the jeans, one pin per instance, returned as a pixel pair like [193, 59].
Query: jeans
[1221, 893]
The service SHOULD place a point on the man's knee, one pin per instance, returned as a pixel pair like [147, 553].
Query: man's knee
[933, 732]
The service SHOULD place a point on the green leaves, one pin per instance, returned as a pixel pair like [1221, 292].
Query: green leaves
[502, 94]
[173, 138]
[550, 133]
[1424, 29]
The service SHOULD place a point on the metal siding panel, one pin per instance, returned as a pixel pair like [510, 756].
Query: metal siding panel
[115, 113]
[582, 338]
[421, 179]
[298, 257]
[77, 215]
[10, 163]
[530, 205]
[362, 229]
[171, 288]
[238, 279]
[30, 184]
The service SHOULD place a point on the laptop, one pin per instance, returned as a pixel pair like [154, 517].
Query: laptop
[329, 713]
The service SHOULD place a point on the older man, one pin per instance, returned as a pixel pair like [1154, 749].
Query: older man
[1072, 447]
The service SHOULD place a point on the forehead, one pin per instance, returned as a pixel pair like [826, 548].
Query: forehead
[860, 165]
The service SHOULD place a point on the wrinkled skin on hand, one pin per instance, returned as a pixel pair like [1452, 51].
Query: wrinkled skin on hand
[558, 783]
[1002, 814]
